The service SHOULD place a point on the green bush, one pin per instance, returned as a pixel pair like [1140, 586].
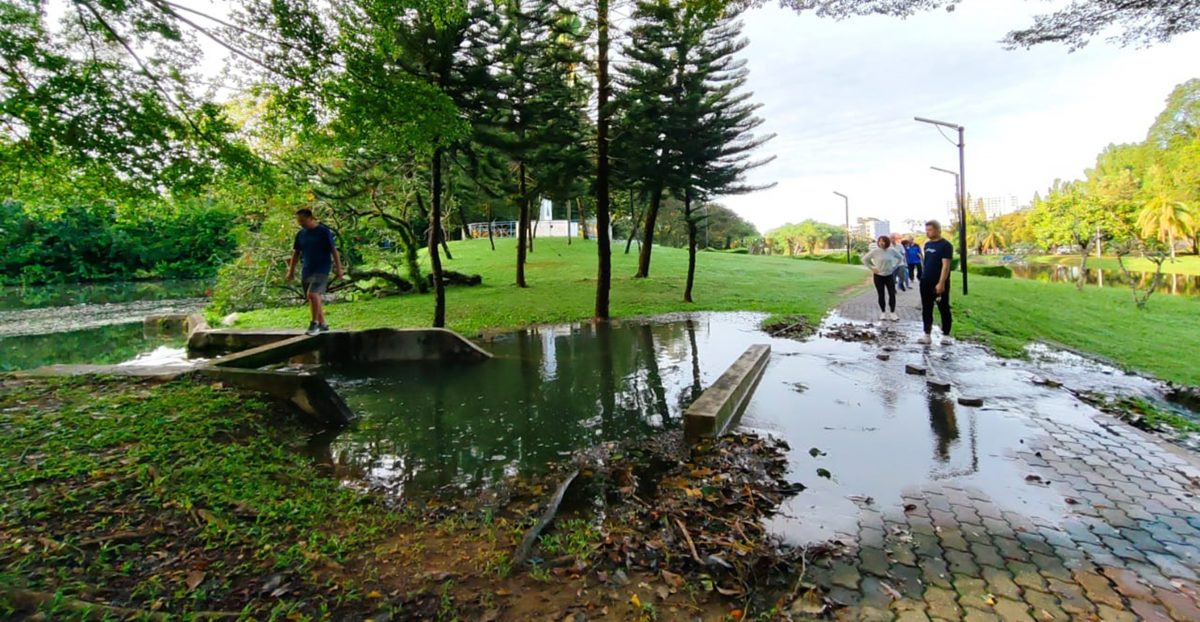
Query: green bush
[99, 242]
[855, 258]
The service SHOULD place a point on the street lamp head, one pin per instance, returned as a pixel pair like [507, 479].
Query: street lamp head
[840, 194]
[953, 126]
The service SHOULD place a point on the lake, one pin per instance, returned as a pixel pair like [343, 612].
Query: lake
[1174, 284]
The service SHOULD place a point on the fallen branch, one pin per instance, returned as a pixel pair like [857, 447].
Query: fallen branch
[688, 538]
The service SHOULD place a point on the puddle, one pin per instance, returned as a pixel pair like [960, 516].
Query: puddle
[549, 392]
[877, 431]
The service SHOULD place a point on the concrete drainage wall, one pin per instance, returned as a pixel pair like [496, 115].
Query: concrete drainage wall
[309, 392]
[721, 406]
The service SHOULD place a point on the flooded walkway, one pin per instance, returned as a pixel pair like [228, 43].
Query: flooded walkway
[1033, 507]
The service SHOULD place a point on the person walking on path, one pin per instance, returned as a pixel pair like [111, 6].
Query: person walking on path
[883, 260]
[315, 247]
[901, 246]
[935, 282]
[912, 251]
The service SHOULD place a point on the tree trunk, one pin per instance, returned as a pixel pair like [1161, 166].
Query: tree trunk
[435, 261]
[583, 229]
[1083, 257]
[442, 237]
[691, 229]
[603, 243]
[633, 223]
[648, 234]
[1171, 245]
[522, 226]
[491, 238]
[569, 235]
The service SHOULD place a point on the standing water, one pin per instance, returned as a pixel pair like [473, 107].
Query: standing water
[94, 323]
[860, 429]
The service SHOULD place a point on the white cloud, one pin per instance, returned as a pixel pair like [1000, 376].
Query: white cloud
[840, 95]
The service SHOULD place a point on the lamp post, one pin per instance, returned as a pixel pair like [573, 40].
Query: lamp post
[961, 184]
[846, 199]
[949, 172]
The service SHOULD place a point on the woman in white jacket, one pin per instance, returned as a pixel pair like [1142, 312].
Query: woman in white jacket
[883, 261]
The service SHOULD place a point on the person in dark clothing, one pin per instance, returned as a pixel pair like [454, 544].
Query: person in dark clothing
[315, 247]
[912, 251]
[935, 282]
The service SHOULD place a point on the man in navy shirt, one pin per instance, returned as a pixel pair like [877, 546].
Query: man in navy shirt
[935, 282]
[314, 245]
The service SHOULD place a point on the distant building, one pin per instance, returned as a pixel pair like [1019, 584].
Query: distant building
[993, 206]
[872, 228]
[544, 226]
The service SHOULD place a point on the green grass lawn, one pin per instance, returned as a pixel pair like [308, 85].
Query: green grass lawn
[1008, 313]
[562, 288]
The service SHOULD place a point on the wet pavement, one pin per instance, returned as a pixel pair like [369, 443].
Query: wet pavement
[1032, 507]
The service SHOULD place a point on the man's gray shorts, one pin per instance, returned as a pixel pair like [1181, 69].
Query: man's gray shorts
[315, 283]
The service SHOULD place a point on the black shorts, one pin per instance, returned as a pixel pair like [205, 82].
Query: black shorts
[315, 283]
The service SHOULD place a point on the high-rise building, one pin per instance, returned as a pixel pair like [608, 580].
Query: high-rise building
[872, 228]
[993, 206]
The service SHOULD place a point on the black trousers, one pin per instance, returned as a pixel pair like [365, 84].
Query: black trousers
[889, 283]
[929, 298]
[914, 271]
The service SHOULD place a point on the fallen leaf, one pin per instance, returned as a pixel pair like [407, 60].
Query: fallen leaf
[824, 473]
[374, 594]
[194, 579]
[814, 452]
[737, 614]
[672, 579]
[637, 602]
[892, 592]
[909, 507]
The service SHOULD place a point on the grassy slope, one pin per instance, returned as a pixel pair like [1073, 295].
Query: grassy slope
[1007, 313]
[562, 288]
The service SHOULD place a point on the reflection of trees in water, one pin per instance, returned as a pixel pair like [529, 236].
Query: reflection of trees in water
[697, 386]
[1177, 284]
[549, 391]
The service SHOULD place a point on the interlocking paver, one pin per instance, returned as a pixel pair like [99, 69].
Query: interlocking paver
[1126, 546]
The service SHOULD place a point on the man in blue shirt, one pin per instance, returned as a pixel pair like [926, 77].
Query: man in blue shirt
[935, 282]
[314, 245]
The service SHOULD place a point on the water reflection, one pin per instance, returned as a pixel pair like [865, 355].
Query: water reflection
[1176, 284]
[944, 425]
[549, 391]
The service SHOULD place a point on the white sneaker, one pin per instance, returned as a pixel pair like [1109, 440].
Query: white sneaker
[893, 317]
[883, 316]
[947, 340]
[924, 340]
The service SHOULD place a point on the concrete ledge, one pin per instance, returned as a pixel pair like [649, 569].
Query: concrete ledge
[388, 345]
[380, 345]
[309, 393]
[274, 352]
[722, 404]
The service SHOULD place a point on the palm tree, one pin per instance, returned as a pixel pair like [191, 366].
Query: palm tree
[1165, 215]
[1167, 220]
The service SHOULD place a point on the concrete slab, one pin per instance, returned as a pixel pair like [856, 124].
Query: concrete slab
[722, 404]
[381, 345]
[307, 392]
[274, 352]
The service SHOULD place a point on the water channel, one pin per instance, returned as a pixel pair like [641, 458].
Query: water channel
[1174, 284]
[100, 323]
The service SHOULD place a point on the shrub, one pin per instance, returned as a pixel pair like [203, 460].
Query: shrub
[1003, 272]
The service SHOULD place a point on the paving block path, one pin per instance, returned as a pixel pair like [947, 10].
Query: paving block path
[1127, 549]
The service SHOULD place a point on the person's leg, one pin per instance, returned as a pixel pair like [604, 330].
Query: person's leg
[927, 296]
[879, 286]
[890, 283]
[318, 309]
[944, 311]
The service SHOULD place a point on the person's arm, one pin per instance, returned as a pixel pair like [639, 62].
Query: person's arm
[945, 276]
[867, 259]
[291, 273]
[337, 257]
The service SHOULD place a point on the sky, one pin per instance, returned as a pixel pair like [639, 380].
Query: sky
[840, 96]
